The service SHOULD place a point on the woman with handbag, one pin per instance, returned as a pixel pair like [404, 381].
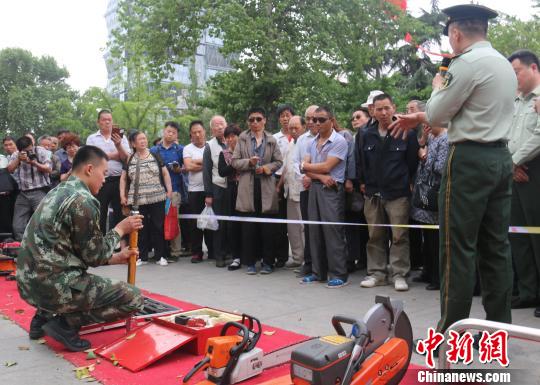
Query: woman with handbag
[424, 207]
[146, 173]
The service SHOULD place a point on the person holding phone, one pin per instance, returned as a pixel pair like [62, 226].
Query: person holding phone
[117, 149]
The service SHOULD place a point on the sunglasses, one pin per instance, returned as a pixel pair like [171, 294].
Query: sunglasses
[320, 120]
[257, 119]
[356, 117]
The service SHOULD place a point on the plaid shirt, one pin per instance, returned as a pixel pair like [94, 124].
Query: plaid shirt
[29, 177]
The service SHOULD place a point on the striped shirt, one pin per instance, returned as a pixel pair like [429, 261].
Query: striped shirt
[29, 177]
[150, 188]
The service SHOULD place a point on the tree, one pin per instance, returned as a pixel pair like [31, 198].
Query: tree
[33, 94]
[145, 109]
[310, 52]
[510, 34]
[295, 51]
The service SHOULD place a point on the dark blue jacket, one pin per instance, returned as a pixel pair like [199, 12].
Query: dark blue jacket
[388, 164]
[169, 155]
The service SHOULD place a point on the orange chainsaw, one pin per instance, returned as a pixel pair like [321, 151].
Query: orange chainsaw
[8, 267]
[377, 351]
[228, 357]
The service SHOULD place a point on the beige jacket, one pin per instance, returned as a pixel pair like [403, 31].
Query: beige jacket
[240, 161]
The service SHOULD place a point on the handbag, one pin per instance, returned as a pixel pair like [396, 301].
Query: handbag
[354, 202]
[7, 183]
[426, 192]
[170, 225]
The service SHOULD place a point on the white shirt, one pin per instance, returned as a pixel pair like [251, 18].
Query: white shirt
[303, 144]
[107, 145]
[196, 182]
[3, 161]
[293, 185]
[283, 144]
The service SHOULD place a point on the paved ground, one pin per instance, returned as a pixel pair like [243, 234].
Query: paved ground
[277, 299]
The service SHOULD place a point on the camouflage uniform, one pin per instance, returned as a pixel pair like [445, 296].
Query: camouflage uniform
[61, 241]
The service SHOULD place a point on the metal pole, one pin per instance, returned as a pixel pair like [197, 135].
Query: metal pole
[514, 331]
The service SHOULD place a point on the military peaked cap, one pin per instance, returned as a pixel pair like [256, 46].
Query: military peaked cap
[467, 12]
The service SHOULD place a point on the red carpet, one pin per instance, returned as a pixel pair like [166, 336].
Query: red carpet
[168, 370]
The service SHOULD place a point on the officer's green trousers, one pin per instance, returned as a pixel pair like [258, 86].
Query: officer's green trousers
[526, 247]
[474, 216]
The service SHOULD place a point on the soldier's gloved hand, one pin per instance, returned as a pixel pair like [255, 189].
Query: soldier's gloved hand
[122, 257]
[130, 224]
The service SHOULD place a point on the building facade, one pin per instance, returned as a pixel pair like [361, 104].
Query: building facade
[207, 61]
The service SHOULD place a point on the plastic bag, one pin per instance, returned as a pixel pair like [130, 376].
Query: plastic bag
[170, 226]
[208, 220]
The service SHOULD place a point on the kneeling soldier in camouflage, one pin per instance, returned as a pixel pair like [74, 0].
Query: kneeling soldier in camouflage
[61, 241]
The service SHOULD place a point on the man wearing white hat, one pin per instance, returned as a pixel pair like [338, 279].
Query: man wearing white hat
[369, 103]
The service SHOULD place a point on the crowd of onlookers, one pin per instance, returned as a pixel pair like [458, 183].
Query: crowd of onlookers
[313, 170]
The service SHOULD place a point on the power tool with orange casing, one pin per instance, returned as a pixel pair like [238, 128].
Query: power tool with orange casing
[377, 351]
[232, 358]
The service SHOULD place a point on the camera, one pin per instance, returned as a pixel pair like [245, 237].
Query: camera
[31, 155]
[174, 164]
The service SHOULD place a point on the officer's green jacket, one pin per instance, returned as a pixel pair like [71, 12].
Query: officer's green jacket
[476, 102]
[61, 241]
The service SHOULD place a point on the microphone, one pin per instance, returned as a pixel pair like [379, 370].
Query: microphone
[443, 68]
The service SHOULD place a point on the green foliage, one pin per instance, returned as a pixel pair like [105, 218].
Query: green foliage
[33, 94]
[283, 51]
[511, 34]
[161, 33]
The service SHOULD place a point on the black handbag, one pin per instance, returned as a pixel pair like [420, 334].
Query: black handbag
[7, 183]
[354, 202]
[426, 192]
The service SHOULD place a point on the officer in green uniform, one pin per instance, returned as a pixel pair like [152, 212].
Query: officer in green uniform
[525, 149]
[61, 241]
[475, 100]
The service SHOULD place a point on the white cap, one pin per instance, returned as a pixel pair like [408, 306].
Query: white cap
[371, 96]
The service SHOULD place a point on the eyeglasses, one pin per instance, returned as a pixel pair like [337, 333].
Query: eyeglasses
[356, 117]
[258, 119]
[320, 120]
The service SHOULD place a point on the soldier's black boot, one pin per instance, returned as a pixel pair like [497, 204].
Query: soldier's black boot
[68, 336]
[36, 331]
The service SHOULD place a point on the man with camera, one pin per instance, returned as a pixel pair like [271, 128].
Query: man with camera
[31, 167]
[172, 155]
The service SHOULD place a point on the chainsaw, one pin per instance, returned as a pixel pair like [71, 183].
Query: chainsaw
[8, 267]
[377, 350]
[231, 359]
